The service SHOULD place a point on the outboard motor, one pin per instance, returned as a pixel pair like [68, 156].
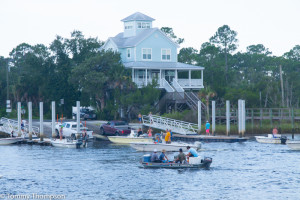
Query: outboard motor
[283, 139]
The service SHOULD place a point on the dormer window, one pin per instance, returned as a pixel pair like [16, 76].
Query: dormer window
[143, 24]
[128, 25]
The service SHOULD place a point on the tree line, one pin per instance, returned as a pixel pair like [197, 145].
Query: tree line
[74, 69]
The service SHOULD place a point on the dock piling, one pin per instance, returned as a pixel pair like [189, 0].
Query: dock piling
[199, 116]
[78, 116]
[213, 113]
[30, 120]
[53, 119]
[227, 118]
[41, 122]
[19, 119]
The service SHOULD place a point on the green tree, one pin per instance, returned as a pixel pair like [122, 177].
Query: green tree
[225, 38]
[169, 32]
[188, 55]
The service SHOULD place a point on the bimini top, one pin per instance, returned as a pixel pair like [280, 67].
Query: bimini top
[137, 17]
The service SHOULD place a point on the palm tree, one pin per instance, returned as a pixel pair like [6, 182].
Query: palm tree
[205, 95]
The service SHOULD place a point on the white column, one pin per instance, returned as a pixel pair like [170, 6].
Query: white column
[30, 120]
[146, 77]
[53, 119]
[243, 117]
[176, 75]
[239, 117]
[19, 119]
[227, 118]
[41, 121]
[190, 77]
[213, 116]
[202, 77]
[78, 117]
[160, 77]
[199, 116]
[132, 75]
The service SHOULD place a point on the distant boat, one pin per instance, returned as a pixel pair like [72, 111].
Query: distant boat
[294, 145]
[128, 140]
[67, 143]
[174, 146]
[10, 140]
[270, 139]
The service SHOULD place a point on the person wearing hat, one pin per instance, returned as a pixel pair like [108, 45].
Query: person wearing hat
[154, 156]
[207, 126]
[162, 157]
[181, 157]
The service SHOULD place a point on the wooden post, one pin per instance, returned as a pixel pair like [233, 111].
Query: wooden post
[30, 120]
[271, 117]
[240, 117]
[252, 119]
[53, 119]
[19, 119]
[199, 116]
[213, 117]
[146, 77]
[243, 118]
[41, 122]
[78, 117]
[227, 118]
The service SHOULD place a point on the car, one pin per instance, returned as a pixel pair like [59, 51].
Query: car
[70, 129]
[90, 115]
[115, 128]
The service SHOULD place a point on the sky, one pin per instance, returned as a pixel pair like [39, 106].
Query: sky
[273, 23]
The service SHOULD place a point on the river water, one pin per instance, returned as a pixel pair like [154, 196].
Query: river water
[248, 170]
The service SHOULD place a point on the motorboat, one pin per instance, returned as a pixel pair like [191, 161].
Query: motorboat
[67, 143]
[294, 144]
[132, 138]
[194, 163]
[271, 139]
[10, 140]
[174, 146]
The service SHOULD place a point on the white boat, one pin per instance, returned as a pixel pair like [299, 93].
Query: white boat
[294, 145]
[10, 140]
[66, 143]
[129, 139]
[174, 146]
[270, 139]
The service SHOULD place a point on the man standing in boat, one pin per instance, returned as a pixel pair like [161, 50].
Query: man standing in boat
[168, 137]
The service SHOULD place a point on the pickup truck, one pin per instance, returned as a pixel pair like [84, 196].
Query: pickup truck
[70, 129]
[116, 128]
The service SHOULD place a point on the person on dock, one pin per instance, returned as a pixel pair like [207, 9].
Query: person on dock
[275, 131]
[207, 126]
[149, 132]
[191, 152]
[140, 118]
[61, 132]
[162, 157]
[140, 132]
[180, 157]
[168, 137]
[150, 117]
[154, 156]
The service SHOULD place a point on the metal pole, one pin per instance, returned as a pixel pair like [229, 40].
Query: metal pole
[239, 117]
[213, 117]
[78, 116]
[227, 118]
[53, 119]
[19, 119]
[41, 121]
[30, 119]
[199, 116]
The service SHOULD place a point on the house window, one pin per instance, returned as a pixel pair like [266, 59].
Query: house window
[166, 54]
[128, 53]
[143, 24]
[147, 54]
[128, 26]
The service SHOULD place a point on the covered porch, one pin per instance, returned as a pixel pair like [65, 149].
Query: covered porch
[172, 74]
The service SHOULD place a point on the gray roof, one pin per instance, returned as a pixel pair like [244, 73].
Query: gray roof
[137, 17]
[161, 65]
[122, 42]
